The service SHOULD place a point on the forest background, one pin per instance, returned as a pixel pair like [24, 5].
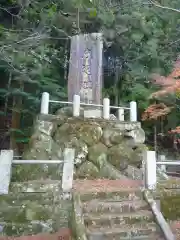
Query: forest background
[141, 43]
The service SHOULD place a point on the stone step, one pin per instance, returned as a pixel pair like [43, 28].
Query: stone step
[18, 229]
[114, 207]
[36, 186]
[120, 195]
[34, 212]
[98, 220]
[23, 198]
[124, 233]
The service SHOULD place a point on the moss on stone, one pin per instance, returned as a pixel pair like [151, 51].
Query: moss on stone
[98, 154]
[19, 199]
[15, 230]
[26, 213]
[23, 173]
[170, 206]
[87, 170]
[29, 217]
[53, 133]
[168, 192]
[119, 156]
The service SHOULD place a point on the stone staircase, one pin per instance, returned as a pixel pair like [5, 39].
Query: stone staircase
[110, 209]
[33, 207]
[121, 215]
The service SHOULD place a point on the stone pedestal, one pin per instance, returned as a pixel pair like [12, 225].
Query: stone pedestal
[92, 113]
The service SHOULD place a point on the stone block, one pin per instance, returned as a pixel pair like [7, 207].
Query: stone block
[96, 113]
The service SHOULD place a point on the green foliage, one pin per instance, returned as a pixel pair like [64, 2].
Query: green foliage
[35, 48]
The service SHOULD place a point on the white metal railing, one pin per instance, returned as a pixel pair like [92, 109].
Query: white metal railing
[7, 159]
[164, 163]
[45, 101]
[150, 167]
[171, 163]
[37, 161]
[150, 181]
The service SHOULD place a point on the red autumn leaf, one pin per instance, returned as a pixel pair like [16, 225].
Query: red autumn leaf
[175, 131]
[153, 112]
[169, 84]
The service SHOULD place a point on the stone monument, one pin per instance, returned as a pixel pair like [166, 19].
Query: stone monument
[85, 69]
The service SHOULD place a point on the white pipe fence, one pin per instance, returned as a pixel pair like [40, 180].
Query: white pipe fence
[150, 164]
[6, 161]
[149, 169]
[76, 104]
[170, 163]
[37, 161]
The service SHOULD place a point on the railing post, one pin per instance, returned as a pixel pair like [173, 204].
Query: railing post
[106, 108]
[44, 103]
[150, 169]
[76, 106]
[133, 111]
[68, 171]
[6, 157]
[121, 114]
[162, 158]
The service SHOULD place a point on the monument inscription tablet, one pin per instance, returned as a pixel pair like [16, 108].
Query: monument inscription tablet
[85, 68]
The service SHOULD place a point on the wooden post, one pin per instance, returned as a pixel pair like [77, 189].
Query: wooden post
[68, 171]
[106, 108]
[150, 169]
[6, 158]
[133, 111]
[45, 103]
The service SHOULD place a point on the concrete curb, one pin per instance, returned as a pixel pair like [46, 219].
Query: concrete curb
[158, 216]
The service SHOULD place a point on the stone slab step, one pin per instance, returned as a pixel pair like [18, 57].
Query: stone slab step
[23, 198]
[114, 207]
[36, 186]
[19, 229]
[110, 219]
[172, 182]
[123, 233]
[34, 212]
[105, 185]
[120, 195]
[152, 237]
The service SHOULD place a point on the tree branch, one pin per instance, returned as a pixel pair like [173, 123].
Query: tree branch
[164, 7]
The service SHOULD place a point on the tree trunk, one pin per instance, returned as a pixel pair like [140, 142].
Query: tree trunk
[155, 137]
[16, 118]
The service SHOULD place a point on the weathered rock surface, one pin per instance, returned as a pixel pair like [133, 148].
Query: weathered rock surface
[137, 134]
[90, 133]
[119, 156]
[87, 170]
[98, 154]
[112, 136]
[101, 145]
[137, 155]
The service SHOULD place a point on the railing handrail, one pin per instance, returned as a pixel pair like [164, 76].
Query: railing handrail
[7, 159]
[76, 104]
[89, 104]
[37, 161]
[168, 162]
